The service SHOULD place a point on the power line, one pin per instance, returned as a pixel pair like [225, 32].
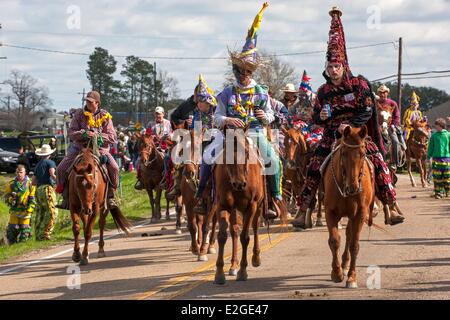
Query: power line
[412, 74]
[187, 58]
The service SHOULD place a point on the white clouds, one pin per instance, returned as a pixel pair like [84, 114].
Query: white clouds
[194, 28]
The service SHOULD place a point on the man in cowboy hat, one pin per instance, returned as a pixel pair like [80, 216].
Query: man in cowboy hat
[383, 103]
[290, 98]
[44, 178]
[247, 102]
[89, 123]
[345, 100]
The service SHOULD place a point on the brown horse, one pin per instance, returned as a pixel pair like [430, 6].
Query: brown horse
[202, 241]
[152, 171]
[349, 187]
[87, 200]
[417, 146]
[239, 187]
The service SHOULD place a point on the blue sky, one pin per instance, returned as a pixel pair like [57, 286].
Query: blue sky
[200, 28]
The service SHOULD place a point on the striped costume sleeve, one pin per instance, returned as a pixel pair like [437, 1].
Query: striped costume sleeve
[31, 199]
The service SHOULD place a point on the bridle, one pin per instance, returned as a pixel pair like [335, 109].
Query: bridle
[94, 189]
[343, 192]
[297, 156]
[148, 162]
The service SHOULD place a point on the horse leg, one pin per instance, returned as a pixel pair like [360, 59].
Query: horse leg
[212, 237]
[245, 240]
[319, 222]
[234, 233]
[346, 255]
[413, 183]
[152, 205]
[178, 209]
[222, 238]
[192, 227]
[76, 256]
[256, 258]
[357, 225]
[88, 221]
[201, 235]
[101, 242]
[334, 243]
[167, 209]
[158, 203]
[423, 172]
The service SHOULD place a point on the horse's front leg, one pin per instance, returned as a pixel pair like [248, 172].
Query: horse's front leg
[193, 230]
[346, 255]
[179, 211]
[152, 204]
[256, 258]
[76, 256]
[245, 240]
[423, 172]
[411, 178]
[234, 233]
[167, 208]
[357, 225]
[88, 221]
[158, 203]
[222, 238]
[334, 242]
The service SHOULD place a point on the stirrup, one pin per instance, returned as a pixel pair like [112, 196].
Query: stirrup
[139, 185]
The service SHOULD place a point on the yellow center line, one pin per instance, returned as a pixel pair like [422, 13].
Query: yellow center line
[210, 277]
[179, 279]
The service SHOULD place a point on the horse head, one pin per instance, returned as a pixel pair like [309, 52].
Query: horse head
[385, 119]
[420, 132]
[146, 148]
[353, 156]
[294, 146]
[86, 181]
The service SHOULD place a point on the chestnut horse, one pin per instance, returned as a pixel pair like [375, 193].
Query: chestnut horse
[417, 146]
[202, 242]
[152, 171]
[297, 156]
[349, 188]
[87, 200]
[239, 187]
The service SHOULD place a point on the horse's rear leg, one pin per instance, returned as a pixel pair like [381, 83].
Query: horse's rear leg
[245, 240]
[158, 203]
[193, 230]
[334, 243]
[152, 205]
[222, 238]
[212, 239]
[76, 256]
[101, 242]
[179, 211]
[167, 209]
[357, 225]
[423, 172]
[319, 222]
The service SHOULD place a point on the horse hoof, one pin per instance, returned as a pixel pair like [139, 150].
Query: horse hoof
[256, 261]
[76, 257]
[242, 276]
[101, 255]
[212, 250]
[178, 231]
[167, 217]
[319, 223]
[351, 285]
[337, 277]
[84, 261]
[232, 272]
[202, 258]
[219, 279]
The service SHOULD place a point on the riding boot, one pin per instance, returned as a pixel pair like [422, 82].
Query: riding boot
[139, 185]
[112, 204]
[64, 205]
[176, 185]
[300, 219]
[391, 215]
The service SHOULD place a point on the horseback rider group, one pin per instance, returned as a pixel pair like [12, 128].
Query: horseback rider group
[344, 100]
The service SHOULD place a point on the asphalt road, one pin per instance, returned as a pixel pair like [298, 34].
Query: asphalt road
[407, 261]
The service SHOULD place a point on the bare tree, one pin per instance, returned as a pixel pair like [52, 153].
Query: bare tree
[27, 98]
[274, 73]
[169, 85]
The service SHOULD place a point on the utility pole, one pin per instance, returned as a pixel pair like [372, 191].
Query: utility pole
[154, 81]
[82, 98]
[399, 76]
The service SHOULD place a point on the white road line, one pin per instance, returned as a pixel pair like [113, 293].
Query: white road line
[26, 264]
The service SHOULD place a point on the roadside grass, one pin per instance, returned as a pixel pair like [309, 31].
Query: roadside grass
[134, 205]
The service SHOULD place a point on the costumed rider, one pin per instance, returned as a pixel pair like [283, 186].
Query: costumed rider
[388, 108]
[345, 100]
[247, 103]
[87, 123]
[412, 114]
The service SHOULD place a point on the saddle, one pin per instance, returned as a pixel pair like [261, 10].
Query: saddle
[102, 166]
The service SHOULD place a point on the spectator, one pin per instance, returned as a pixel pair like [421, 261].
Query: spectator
[439, 151]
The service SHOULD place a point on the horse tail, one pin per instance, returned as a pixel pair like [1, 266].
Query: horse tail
[120, 220]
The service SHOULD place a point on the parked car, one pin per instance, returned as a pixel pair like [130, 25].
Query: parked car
[8, 161]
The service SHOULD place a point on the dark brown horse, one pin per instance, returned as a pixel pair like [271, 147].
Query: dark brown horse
[87, 200]
[152, 171]
[417, 146]
[349, 192]
[202, 240]
[240, 199]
